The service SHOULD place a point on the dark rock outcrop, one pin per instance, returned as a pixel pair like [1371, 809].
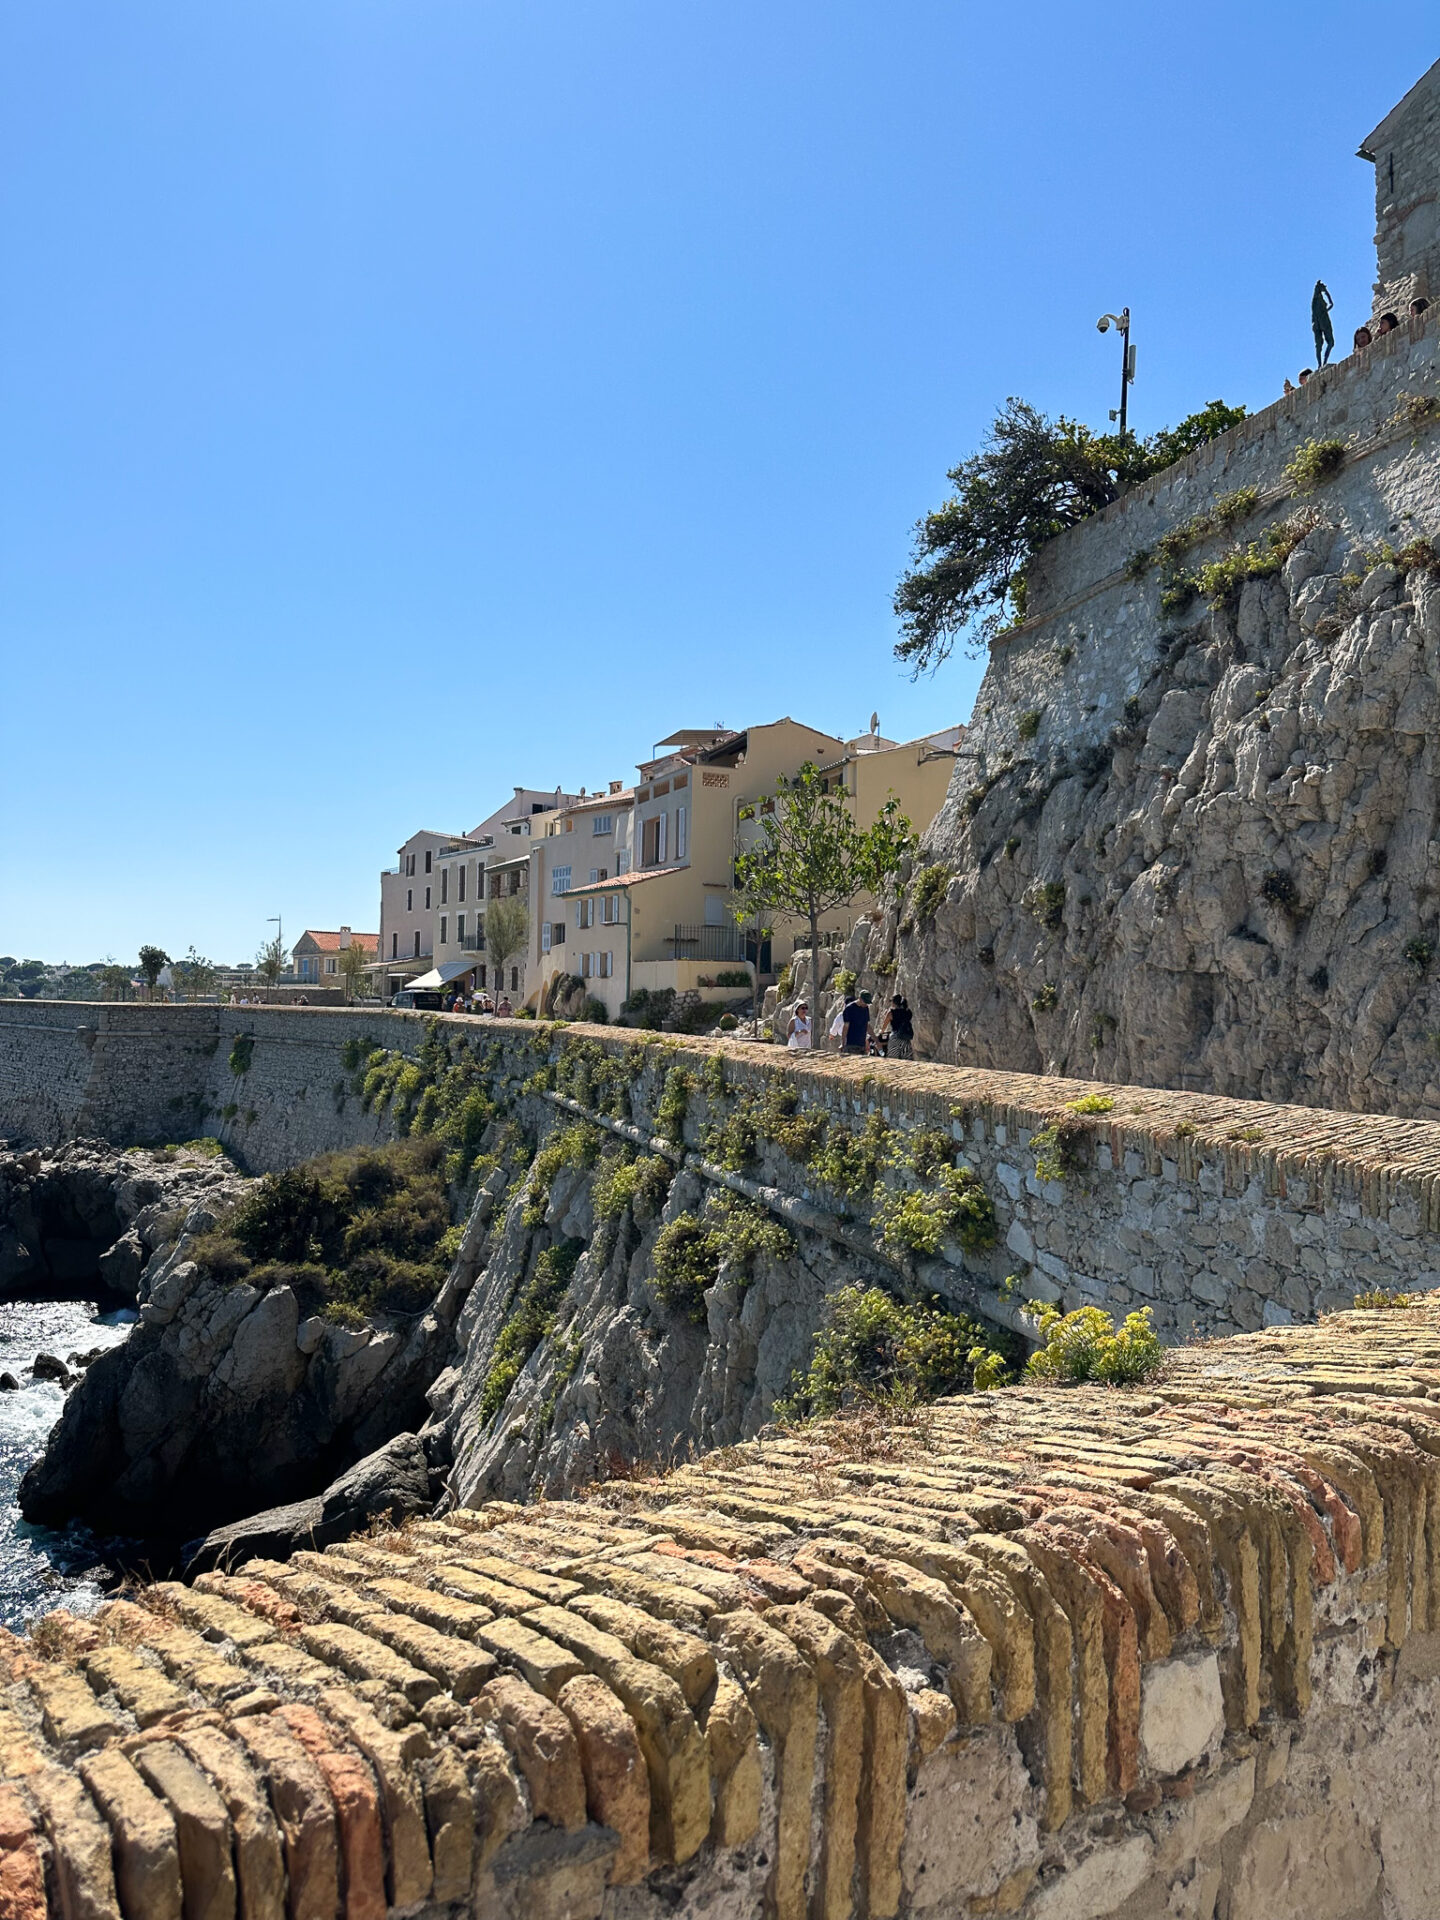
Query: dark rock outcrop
[394, 1480]
[229, 1399]
[82, 1221]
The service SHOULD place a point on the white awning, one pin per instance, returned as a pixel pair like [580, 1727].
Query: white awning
[440, 976]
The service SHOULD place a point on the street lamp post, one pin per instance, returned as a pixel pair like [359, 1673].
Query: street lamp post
[1121, 321]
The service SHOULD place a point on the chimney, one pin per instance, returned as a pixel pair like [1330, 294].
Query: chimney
[616, 785]
[344, 938]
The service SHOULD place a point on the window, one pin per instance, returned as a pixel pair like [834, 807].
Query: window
[661, 786]
[545, 938]
[559, 879]
[444, 885]
[330, 963]
[394, 946]
[622, 860]
[557, 934]
[495, 880]
[417, 943]
[461, 894]
[515, 877]
[681, 780]
[682, 832]
[460, 927]
[480, 976]
[652, 842]
[609, 909]
[514, 979]
[427, 899]
[479, 933]
[428, 857]
[585, 960]
[594, 875]
[607, 964]
[443, 924]
[409, 899]
[584, 913]
[604, 823]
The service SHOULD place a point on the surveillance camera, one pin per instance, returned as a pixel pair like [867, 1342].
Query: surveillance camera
[1104, 324]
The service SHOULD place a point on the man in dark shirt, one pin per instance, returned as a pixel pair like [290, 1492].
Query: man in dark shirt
[856, 1016]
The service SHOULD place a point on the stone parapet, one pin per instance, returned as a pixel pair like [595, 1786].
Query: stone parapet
[1048, 1652]
[1221, 1215]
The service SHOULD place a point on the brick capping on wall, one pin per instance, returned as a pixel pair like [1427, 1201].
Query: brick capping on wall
[1045, 1652]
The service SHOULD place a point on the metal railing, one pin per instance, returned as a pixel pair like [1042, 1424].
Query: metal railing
[472, 943]
[708, 943]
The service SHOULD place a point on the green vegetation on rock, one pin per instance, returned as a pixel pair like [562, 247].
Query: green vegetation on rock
[359, 1232]
[531, 1320]
[878, 1351]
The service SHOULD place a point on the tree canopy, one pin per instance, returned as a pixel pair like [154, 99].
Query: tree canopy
[1033, 478]
[194, 976]
[153, 962]
[810, 856]
[270, 960]
[507, 928]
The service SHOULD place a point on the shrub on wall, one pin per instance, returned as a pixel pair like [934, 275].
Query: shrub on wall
[878, 1351]
[1085, 1345]
[1313, 463]
[952, 1206]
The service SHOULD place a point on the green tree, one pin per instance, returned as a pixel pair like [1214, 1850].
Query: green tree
[507, 928]
[353, 963]
[270, 961]
[25, 978]
[1033, 478]
[811, 857]
[153, 960]
[114, 981]
[194, 976]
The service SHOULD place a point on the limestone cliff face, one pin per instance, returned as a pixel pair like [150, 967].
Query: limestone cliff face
[1236, 889]
[624, 1380]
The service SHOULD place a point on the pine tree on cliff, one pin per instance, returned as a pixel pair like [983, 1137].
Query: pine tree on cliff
[1033, 478]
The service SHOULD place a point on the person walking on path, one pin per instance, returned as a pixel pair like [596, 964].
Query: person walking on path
[899, 1028]
[799, 1036]
[1320, 305]
[855, 1019]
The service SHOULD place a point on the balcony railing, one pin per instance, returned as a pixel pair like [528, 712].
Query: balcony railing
[708, 943]
[472, 943]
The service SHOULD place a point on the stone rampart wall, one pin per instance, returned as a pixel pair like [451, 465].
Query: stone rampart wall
[1081, 597]
[1222, 1215]
[149, 1075]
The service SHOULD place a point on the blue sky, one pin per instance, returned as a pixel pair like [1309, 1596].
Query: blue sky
[402, 401]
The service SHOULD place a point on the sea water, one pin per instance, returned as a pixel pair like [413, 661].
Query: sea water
[44, 1567]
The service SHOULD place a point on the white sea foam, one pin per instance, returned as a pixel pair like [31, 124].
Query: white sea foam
[40, 1567]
